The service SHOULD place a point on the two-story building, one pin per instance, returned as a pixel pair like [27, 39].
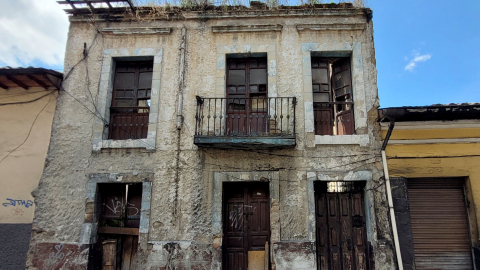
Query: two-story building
[215, 137]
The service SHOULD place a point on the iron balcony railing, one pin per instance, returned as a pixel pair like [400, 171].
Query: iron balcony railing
[255, 116]
[128, 123]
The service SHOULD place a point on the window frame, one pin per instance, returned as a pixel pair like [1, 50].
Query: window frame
[101, 123]
[338, 109]
[340, 49]
[138, 114]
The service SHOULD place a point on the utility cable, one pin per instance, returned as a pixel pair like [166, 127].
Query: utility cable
[30, 131]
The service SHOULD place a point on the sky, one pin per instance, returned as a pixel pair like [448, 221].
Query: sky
[427, 51]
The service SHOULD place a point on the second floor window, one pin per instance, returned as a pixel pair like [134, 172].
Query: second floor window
[332, 96]
[247, 96]
[131, 100]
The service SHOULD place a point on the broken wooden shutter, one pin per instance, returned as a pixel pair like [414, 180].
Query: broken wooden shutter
[133, 206]
[322, 97]
[441, 235]
[342, 93]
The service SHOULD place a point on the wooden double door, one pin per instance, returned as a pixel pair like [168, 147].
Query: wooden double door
[246, 226]
[340, 226]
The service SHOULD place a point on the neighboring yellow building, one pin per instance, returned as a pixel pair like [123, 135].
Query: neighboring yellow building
[27, 103]
[433, 157]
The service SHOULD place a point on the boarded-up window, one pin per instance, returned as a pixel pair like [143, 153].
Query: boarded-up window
[120, 206]
[332, 96]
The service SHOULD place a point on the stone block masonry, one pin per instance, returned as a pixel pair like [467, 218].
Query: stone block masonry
[183, 216]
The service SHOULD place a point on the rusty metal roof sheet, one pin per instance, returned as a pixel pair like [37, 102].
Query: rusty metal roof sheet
[436, 112]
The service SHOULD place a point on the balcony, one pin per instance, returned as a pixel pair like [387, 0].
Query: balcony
[251, 123]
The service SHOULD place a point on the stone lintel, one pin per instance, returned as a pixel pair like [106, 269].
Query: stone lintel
[331, 26]
[246, 28]
[138, 30]
[365, 175]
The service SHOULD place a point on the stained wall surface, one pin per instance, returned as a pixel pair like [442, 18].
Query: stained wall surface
[182, 230]
[434, 149]
[24, 138]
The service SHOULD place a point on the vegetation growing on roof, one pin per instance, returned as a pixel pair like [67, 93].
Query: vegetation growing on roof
[246, 3]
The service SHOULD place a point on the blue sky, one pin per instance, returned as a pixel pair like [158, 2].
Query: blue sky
[445, 38]
[427, 51]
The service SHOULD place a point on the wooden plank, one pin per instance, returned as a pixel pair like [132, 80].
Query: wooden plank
[90, 1]
[39, 82]
[3, 86]
[71, 4]
[134, 253]
[256, 260]
[127, 252]
[109, 255]
[118, 230]
[18, 82]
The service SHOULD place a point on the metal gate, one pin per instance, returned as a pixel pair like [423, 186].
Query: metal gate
[246, 226]
[340, 226]
[441, 235]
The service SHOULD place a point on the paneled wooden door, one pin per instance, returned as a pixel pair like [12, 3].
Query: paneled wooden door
[246, 223]
[340, 226]
[247, 96]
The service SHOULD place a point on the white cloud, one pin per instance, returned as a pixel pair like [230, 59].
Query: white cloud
[32, 30]
[417, 59]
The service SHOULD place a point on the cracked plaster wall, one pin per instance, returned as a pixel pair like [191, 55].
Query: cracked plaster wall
[181, 204]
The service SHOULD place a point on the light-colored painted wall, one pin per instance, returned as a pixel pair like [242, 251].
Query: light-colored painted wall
[430, 159]
[24, 138]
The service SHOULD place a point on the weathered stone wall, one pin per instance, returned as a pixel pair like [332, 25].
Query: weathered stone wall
[180, 232]
[24, 136]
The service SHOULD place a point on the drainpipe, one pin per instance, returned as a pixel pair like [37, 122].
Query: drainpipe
[389, 196]
[182, 84]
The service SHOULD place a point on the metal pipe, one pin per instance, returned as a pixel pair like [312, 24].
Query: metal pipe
[389, 133]
[389, 196]
[182, 75]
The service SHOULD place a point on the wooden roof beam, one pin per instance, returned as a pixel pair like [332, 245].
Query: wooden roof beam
[71, 4]
[18, 82]
[42, 84]
[3, 86]
[131, 5]
[109, 6]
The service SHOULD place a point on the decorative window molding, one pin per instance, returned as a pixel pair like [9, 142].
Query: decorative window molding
[331, 26]
[246, 50]
[246, 28]
[100, 128]
[137, 30]
[354, 50]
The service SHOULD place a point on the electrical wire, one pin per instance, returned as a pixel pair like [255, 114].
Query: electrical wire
[25, 102]
[30, 130]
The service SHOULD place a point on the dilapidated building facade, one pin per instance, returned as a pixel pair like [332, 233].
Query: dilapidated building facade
[215, 138]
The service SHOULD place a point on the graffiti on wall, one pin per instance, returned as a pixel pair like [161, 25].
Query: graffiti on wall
[236, 215]
[56, 256]
[13, 202]
[17, 212]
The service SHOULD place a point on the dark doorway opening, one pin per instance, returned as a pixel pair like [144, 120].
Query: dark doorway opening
[118, 209]
[340, 226]
[246, 226]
